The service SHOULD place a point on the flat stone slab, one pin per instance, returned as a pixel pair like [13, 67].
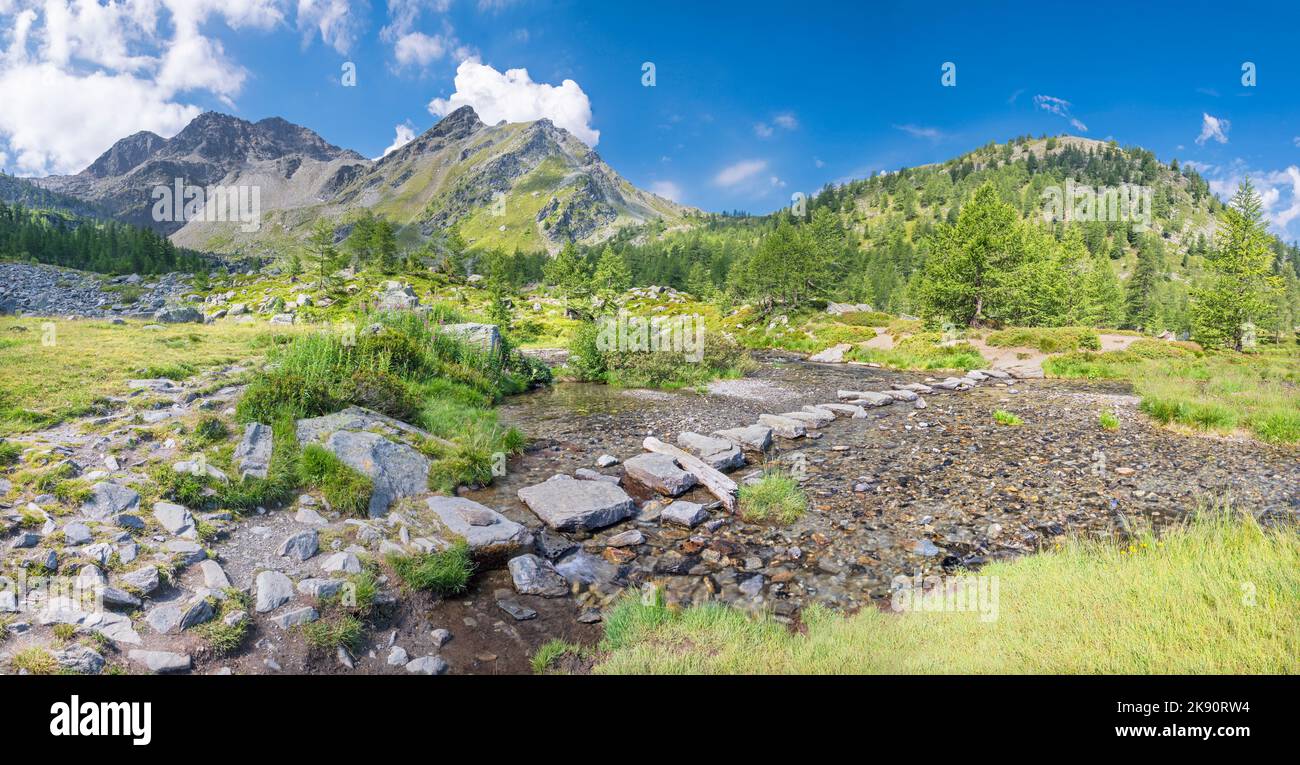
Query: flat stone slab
[785, 427]
[660, 473]
[902, 395]
[108, 499]
[175, 518]
[161, 661]
[867, 397]
[718, 453]
[813, 419]
[756, 438]
[488, 533]
[682, 513]
[567, 504]
[849, 410]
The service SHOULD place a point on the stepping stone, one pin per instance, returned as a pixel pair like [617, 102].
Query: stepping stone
[852, 410]
[902, 395]
[786, 427]
[566, 504]
[587, 474]
[813, 417]
[917, 388]
[872, 398]
[717, 453]
[995, 373]
[660, 473]
[488, 533]
[756, 438]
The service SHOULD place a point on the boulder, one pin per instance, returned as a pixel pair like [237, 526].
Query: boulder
[300, 546]
[682, 513]
[488, 533]
[485, 337]
[395, 296]
[659, 472]
[566, 504]
[354, 436]
[143, 579]
[427, 665]
[178, 315]
[176, 519]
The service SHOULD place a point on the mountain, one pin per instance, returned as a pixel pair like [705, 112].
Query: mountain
[528, 185]
[214, 149]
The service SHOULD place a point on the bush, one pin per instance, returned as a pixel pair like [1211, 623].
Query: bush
[1003, 417]
[1108, 421]
[1047, 339]
[10, 453]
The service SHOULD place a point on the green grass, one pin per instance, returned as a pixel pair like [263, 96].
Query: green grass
[10, 453]
[408, 370]
[1046, 339]
[774, 498]
[334, 630]
[36, 661]
[1215, 391]
[344, 489]
[50, 377]
[1108, 421]
[1003, 417]
[224, 638]
[923, 351]
[1214, 596]
[442, 573]
[551, 652]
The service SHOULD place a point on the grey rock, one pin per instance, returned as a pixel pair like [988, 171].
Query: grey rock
[296, 617]
[786, 427]
[175, 518]
[197, 611]
[273, 590]
[77, 534]
[440, 637]
[342, 563]
[485, 337]
[397, 656]
[832, 355]
[606, 460]
[812, 417]
[533, 575]
[660, 473]
[164, 619]
[488, 533]
[628, 538]
[80, 659]
[321, 588]
[716, 452]
[516, 609]
[114, 596]
[161, 661]
[427, 665]
[253, 455]
[214, 578]
[569, 505]
[300, 546]
[682, 513]
[143, 579]
[108, 499]
[178, 315]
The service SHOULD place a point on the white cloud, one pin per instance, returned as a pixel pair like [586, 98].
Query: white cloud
[763, 130]
[79, 75]
[1279, 192]
[513, 96]
[740, 172]
[334, 20]
[1296, 141]
[1213, 128]
[1061, 108]
[918, 131]
[818, 162]
[405, 133]
[786, 120]
[417, 48]
[667, 190]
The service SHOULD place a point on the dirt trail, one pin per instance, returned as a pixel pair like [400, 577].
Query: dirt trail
[1019, 362]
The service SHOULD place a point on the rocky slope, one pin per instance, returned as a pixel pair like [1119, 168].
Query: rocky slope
[529, 185]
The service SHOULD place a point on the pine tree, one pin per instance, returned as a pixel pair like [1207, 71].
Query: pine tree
[1140, 299]
[321, 250]
[612, 275]
[568, 272]
[1241, 285]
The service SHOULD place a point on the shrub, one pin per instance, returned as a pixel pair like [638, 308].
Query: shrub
[1047, 339]
[1003, 417]
[1108, 421]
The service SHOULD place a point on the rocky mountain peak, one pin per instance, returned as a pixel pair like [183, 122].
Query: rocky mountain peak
[126, 154]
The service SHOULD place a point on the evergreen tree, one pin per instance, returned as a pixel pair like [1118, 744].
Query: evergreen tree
[321, 251]
[612, 275]
[1241, 285]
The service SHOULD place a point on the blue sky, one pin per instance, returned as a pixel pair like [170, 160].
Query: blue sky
[751, 103]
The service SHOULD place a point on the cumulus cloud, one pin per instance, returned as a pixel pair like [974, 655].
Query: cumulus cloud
[78, 75]
[741, 172]
[667, 190]
[413, 48]
[1279, 192]
[405, 133]
[513, 96]
[1213, 129]
[1061, 108]
[784, 121]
